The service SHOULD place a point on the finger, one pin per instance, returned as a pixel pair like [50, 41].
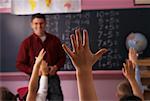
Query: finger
[133, 52]
[73, 42]
[78, 38]
[124, 65]
[49, 73]
[67, 50]
[100, 53]
[85, 38]
[133, 49]
[137, 54]
[130, 50]
[52, 72]
[131, 65]
[127, 65]
[130, 54]
[43, 54]
[123, 71]
[42, 50]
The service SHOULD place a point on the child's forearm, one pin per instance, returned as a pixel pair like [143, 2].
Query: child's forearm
[136, 90]
[86, 86]
[33, 85]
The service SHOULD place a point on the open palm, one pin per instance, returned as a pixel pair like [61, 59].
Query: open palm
[81, 56]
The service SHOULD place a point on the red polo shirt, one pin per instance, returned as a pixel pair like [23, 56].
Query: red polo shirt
[31, 47]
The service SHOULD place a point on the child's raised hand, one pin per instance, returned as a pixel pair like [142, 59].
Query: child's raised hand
[128, 70]
[133, 55]
[81, 56]
[40, 56]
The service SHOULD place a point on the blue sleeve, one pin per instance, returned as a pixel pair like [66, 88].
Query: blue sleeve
[138, 78]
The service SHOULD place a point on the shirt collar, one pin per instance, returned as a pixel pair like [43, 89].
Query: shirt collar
[37, 37]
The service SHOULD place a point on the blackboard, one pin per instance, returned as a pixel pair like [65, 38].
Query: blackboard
[107, 28]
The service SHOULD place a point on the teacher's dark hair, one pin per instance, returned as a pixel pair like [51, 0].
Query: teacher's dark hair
[38, 15]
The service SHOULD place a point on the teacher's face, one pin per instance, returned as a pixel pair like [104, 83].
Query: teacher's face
[38, 26]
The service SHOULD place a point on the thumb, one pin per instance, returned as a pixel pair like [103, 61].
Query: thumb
[100, 53]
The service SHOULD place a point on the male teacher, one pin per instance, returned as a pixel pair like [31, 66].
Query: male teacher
[55, 56]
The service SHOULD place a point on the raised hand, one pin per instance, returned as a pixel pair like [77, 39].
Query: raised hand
[133, 55]
[128, 70]
[40, 56]
[33, 83]
[53, 70]
[129, 73]
[81, 56]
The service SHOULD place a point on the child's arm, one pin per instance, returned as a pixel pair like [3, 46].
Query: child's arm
[133, 57]
[33, 83]
[83, 60]
[129, 73]
[43, 86]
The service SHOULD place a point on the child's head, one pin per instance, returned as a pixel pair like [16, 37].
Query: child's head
[124, 89]
[6, 95]
[130, 98]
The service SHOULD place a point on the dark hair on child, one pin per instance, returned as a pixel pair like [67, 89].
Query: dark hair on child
[6, 95]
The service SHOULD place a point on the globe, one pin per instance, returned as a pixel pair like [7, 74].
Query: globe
[137, 41]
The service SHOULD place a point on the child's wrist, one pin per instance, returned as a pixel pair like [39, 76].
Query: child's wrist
[85, 70]
[45, 74]
[131, 80]
[37, 60]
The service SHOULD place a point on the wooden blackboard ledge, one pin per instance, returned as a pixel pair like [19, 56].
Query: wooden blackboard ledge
[64, 75]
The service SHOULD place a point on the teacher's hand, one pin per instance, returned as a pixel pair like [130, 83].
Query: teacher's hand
[53, 70]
